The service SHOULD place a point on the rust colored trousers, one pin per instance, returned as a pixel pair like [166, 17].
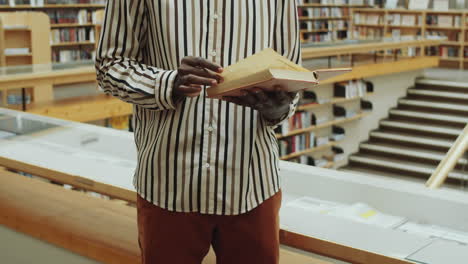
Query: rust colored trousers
[184, 238]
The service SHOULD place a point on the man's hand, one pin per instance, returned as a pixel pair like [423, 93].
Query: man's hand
[193, 73]
[272, 105]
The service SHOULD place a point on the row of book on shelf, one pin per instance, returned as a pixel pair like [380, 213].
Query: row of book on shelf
[309, 140]
[324, 36]
[324, 25]
[13, 3]
[75, 16]
[307, 119]
[68, 55]
[407, 20]
[324, 2]
[72, 35]
[443, 20]
[318, 12]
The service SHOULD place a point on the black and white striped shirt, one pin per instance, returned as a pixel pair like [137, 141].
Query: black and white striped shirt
[197, 155]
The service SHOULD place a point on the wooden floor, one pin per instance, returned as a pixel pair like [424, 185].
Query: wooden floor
[96, 228]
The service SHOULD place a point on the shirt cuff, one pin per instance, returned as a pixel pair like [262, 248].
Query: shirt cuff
[164, 83]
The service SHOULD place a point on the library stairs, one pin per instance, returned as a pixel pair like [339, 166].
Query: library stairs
[415, 136]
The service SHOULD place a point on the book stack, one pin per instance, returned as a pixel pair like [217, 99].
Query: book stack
[336, 155]
[72, 35]
[341, 112]
[50, 2]
[449, 35]
[338, 134]
[67, 55]
[447, 52]
[298, 121]
[296, 143]
[16, 51]
[350, 89]
[98, 2]
[443, 20]
[79, 16]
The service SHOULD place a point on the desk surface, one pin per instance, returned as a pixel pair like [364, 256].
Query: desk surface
[107, 157]
[83, 224]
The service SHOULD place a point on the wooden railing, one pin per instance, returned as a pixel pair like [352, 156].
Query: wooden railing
[450, 160]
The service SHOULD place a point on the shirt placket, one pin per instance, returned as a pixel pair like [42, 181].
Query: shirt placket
[214, 53]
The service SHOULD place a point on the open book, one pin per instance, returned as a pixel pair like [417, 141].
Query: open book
[267, 69]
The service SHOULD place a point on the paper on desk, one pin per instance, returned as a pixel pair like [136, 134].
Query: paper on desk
[428, 231]
[314, 205]
[363, 213]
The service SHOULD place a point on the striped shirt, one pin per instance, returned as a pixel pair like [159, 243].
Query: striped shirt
[198, 154]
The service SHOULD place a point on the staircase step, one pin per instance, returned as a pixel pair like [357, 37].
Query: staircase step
[404, 138]
[442, 83]
[411, 167]
[429, 116]
[434, 105]
[436, 156]
[421, 128]
[438, 94]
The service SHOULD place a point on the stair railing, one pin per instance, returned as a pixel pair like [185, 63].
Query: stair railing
[449, 161]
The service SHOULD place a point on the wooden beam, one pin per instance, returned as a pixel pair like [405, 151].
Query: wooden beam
[72, 220]
[83, 224]
[386, 68]
[83, 109]
[49, 76]
[448, 163]
[334, 250]
[73, 180]
[319, 52]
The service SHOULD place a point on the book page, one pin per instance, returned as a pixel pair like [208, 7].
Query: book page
[261, 61]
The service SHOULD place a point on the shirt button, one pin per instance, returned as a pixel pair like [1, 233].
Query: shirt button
[215, 16]
[210, 129]
[207, 165]
[213, 53]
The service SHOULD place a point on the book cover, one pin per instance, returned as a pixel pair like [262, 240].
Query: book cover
[266, 70]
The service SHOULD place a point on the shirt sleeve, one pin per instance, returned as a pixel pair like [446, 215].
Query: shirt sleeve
[287, 42]
[119, 58]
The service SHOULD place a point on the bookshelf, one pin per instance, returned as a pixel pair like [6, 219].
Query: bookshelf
[24, 44]
[23, 38]
[315, 129]
[334, 100]
[323, 125]
[2, 45]
[368, 23]
[324, 20]
[309, 151]
[73, 25]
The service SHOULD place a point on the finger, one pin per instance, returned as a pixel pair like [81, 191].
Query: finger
[202, 63]
[192, 79]
[186, 69]
[190, 91]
